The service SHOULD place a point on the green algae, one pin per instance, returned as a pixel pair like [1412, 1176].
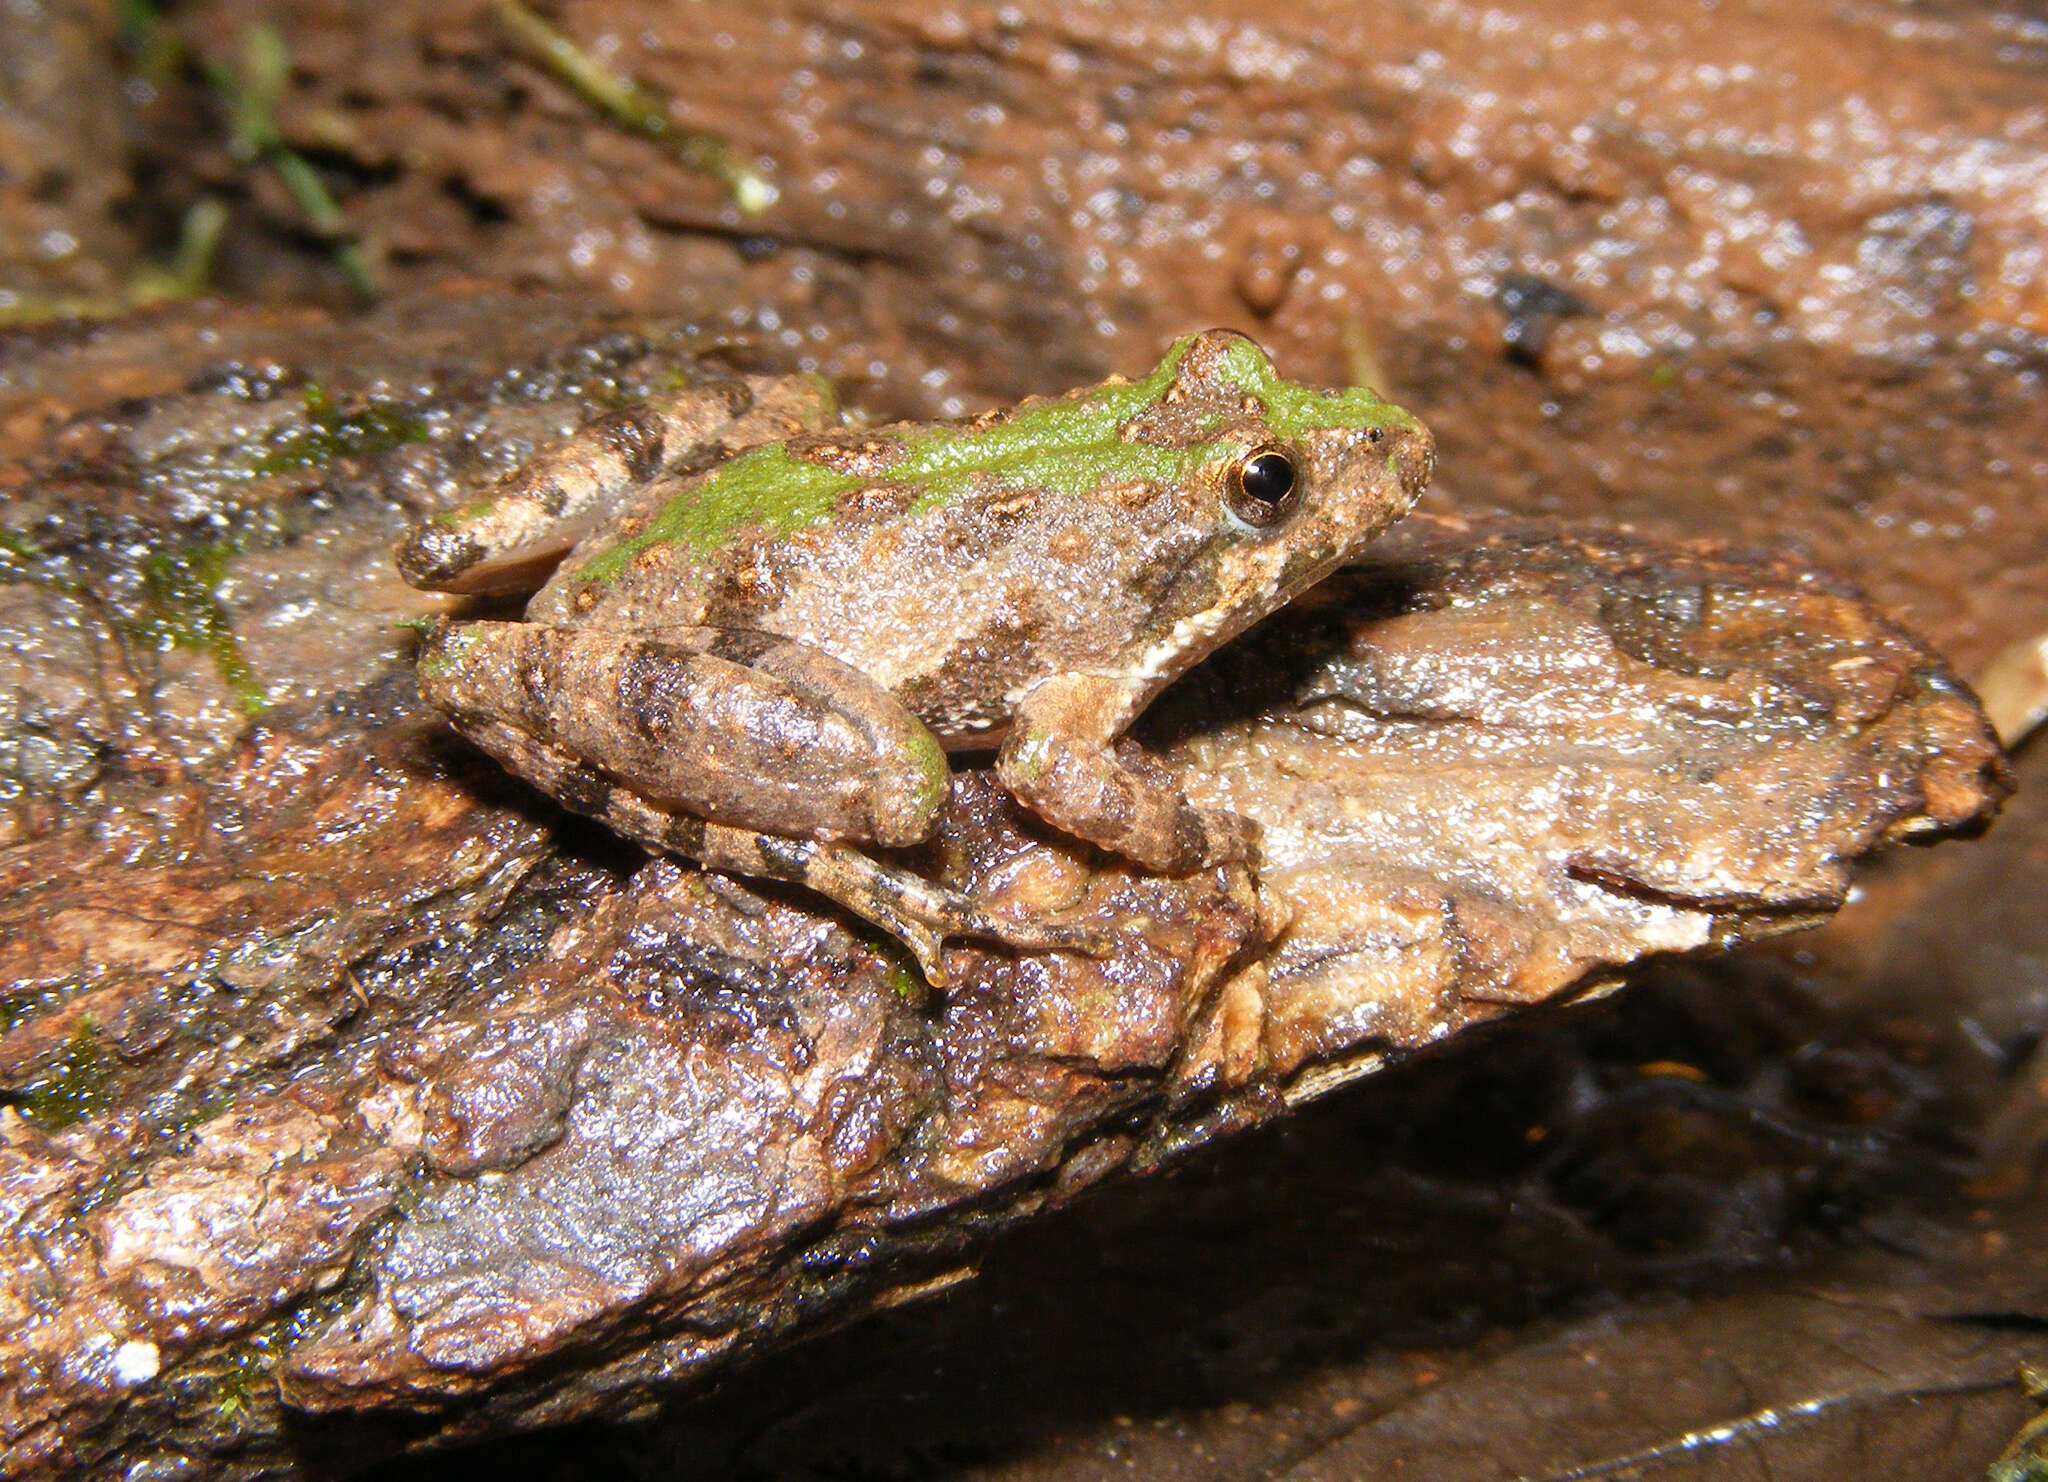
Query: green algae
[243, 1373]
[181, 592]
[1063, 446]
[78, 1085]
[1293, 410]
[375, 429]
[1066, 447]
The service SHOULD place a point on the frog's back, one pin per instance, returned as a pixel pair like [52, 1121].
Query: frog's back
[847, 487]
[956, 564]
[949, 586]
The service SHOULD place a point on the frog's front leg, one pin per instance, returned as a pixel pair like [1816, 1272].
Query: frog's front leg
[744, 751]
[508, 541]
[1059, 761]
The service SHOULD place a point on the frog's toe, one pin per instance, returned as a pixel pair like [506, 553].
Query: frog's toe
[434, 555]
[928, 947]
[926, 943]
[1050, 936]
[1196, 839]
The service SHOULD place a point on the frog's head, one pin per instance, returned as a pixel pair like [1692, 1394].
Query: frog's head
[1284, 484]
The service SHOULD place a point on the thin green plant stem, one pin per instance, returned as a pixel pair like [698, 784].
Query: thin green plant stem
[633, 107]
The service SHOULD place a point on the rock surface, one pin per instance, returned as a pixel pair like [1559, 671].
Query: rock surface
[352, 1080]
[310, 1018]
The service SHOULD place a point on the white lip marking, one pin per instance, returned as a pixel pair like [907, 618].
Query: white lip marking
[1164, 657]
[1185, 634]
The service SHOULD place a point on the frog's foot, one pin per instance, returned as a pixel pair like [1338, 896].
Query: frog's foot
[909, 907]
[1061, 761]
[918, 913]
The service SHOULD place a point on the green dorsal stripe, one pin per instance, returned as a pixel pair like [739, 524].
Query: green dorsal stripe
[1066, 446]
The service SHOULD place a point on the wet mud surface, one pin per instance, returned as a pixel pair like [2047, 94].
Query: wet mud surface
[337, 1060]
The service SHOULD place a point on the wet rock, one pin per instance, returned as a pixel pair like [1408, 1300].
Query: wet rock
[1707, 178]
[265, 1208]
[65, 177]
[1498, 759]
[268, 937]
[354, 1081]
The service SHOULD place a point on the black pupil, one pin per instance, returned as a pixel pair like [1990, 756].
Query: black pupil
[1267, 478]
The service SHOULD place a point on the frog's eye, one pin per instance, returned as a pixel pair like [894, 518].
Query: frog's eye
[1261, 488]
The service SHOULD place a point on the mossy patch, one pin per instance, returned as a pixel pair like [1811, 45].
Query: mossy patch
[1065, 446]
[377, 428]
[243, 1372]
[1292, 410]
[78, 1085]
[181, 592]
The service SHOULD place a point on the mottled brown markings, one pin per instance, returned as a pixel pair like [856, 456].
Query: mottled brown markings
[1023, 614]
[882, 547]
[963, 539]
[684, 834]
[1152, 579]
[749, 586]
[654, 558]
[532, 661]
[644, 693]
[583, 790]
[879, 501]
[1020, 503]
[864, 458]
[745, 646]
[783, 858]
[436, 553]
[1071, 544]
[1119, 802]
[637, 437]
[738, 397]
[985, 649]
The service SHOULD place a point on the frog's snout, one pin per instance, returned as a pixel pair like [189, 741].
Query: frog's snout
[1414, 459]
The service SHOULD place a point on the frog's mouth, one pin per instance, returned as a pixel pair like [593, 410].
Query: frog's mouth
[1252, 589]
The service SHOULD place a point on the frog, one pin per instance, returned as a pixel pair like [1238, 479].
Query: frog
[759, 634]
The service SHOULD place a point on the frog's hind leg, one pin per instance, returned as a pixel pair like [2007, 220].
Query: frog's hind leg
[799, 757]
[508, 541]
[909, 907]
